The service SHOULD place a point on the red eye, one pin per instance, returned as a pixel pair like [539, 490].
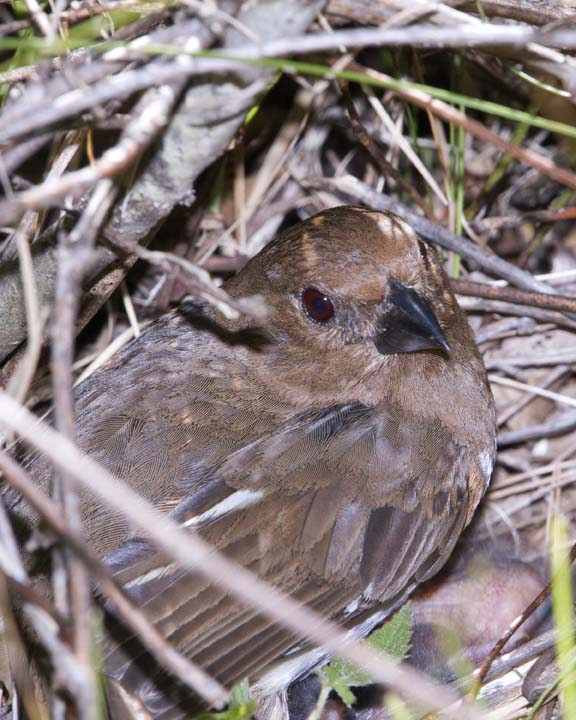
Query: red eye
[317, 305]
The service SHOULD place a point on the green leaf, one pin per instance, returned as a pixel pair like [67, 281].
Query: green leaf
[341, 676]
[240, 694]
[392, 638]
[240, 712]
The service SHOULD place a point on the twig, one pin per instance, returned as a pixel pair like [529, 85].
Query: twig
[529, 11]
[417, 36]
[518, 622]
[536, 359]
[560, 303]
[23, 690]
[475, 305]
[67, 672]
[559, 474]
[534, 389]
[40, 19]
[209, 12]
[74, 16]
[70, 580]
[378, 155]
[22, 378]
[46, 624]
[477, 129]
[564, 424]
[197, 281]
[151, 117]
[189, 673]
[193, 553]
[16, 156]
[19, 122]
[552, 377]
[200, 131]
[522, 654]
[397, 138]
[506, 327]
[109, 351]
[29, 594]
[75, 251]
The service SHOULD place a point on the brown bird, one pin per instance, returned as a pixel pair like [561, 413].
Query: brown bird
[337, 448]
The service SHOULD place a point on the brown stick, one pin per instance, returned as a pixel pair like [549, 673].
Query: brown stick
[386, 168]
[561, 303]
[189, 673]
[475, 128]
[520, 620]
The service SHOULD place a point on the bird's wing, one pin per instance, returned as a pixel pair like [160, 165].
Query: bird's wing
[386, 493]
[335, 506]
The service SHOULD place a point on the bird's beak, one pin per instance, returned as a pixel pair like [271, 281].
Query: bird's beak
[409, 323]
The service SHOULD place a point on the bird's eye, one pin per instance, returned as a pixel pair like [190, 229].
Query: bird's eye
[317, 305]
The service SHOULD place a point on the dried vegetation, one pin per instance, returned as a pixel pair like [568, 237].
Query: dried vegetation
[137, 169]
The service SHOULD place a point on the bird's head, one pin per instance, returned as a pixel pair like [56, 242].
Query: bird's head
[352, 280]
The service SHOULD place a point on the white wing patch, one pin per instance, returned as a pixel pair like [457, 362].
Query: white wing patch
[240, 500]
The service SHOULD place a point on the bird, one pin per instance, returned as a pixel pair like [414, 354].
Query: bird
[337, 447]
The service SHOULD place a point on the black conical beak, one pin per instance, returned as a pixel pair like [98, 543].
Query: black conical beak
[409, 323]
